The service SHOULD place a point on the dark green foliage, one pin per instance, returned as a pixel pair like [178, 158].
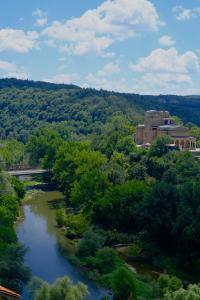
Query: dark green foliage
[118, 209]
[42, 147]
[12, 271]
[27, 105]
[18, 187]
[13, 274]
[159, 147]
[89, 244]
[122, 284]
[105, 261]
[159, 212]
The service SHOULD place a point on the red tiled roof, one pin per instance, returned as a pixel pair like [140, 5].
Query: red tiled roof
[7, 292]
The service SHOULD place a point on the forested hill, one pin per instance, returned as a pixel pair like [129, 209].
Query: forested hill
[26, 105]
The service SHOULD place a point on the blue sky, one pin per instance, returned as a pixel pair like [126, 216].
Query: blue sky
[137, 46]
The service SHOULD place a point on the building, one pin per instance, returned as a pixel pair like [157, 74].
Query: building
[6, 294]
[159, 123]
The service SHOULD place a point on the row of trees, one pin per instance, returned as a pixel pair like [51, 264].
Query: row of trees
[13, 274]
[150, 197]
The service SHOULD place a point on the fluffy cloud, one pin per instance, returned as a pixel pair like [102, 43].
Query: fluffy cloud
[62, 78]
[8, 69]
[119, 85]
[166, 72]
[166, 40]
[99, 28]
[17, 40]
[170, 61]
[105, 79]
[41, 17]
[184, 14]
[108, 69]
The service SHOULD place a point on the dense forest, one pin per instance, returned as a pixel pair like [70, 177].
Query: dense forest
[26, 105]
[122, 194]
[13, 274]
[115, 193]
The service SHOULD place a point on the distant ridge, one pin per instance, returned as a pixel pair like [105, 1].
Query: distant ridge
[22, 83]
[26, 105]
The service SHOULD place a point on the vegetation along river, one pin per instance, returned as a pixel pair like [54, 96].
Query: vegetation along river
[48, 248]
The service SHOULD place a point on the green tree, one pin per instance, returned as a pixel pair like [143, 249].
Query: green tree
[159, 148]
[89, 244]
[192, 292]
[62, 288]
[158, 214]
[118, 209]
[122, 284]
[42, 147]
[89, 188]
[168, 284]
[106, 260]
[12, 271]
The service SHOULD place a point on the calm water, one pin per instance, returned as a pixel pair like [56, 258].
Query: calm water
[48, 248]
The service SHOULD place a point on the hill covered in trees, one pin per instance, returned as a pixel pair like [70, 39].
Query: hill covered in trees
[27, 105]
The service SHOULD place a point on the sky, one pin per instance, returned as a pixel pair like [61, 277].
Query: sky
[134, 46]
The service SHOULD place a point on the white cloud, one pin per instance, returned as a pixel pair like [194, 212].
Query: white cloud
[185, 14]
[166, 72]
[17, 40]
[99, 28]
[104, 79]
[119, 85]
[50, 43]
[8, 69]
[167, 83]
[166, 40]
[109, 69]
[41, 17]
[161, 60]
[63, 78]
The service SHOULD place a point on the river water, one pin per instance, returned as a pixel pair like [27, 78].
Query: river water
[48, 248]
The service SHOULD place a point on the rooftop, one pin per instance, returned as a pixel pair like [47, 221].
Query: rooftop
[8, 293]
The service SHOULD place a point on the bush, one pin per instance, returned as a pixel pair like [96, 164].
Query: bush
[106, 260]
[122, 284]
[60, 218]
[168, 283]
[89, 244]
[62, 288]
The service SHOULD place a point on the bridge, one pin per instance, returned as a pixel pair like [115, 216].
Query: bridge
[27, 172]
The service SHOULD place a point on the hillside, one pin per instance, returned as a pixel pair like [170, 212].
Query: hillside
[26, 105]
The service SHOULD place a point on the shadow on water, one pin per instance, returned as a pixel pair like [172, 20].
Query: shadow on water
[49, 250]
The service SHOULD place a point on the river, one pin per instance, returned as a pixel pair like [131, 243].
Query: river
[48, 248]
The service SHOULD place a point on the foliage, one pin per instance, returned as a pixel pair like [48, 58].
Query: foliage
[76, 223]
[62, 288]
[12, 271]
[122, 284]
[13, 274]
[158, 148]
[124, 201]
[168, 284]
[12, 152]
[192, 292]
[42, 147]
[105, 260]
[61, 217]
[89, 244]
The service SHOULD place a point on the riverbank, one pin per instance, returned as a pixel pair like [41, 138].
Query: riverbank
[49, 249]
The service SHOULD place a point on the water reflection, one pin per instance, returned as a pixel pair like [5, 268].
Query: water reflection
[48, 252]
